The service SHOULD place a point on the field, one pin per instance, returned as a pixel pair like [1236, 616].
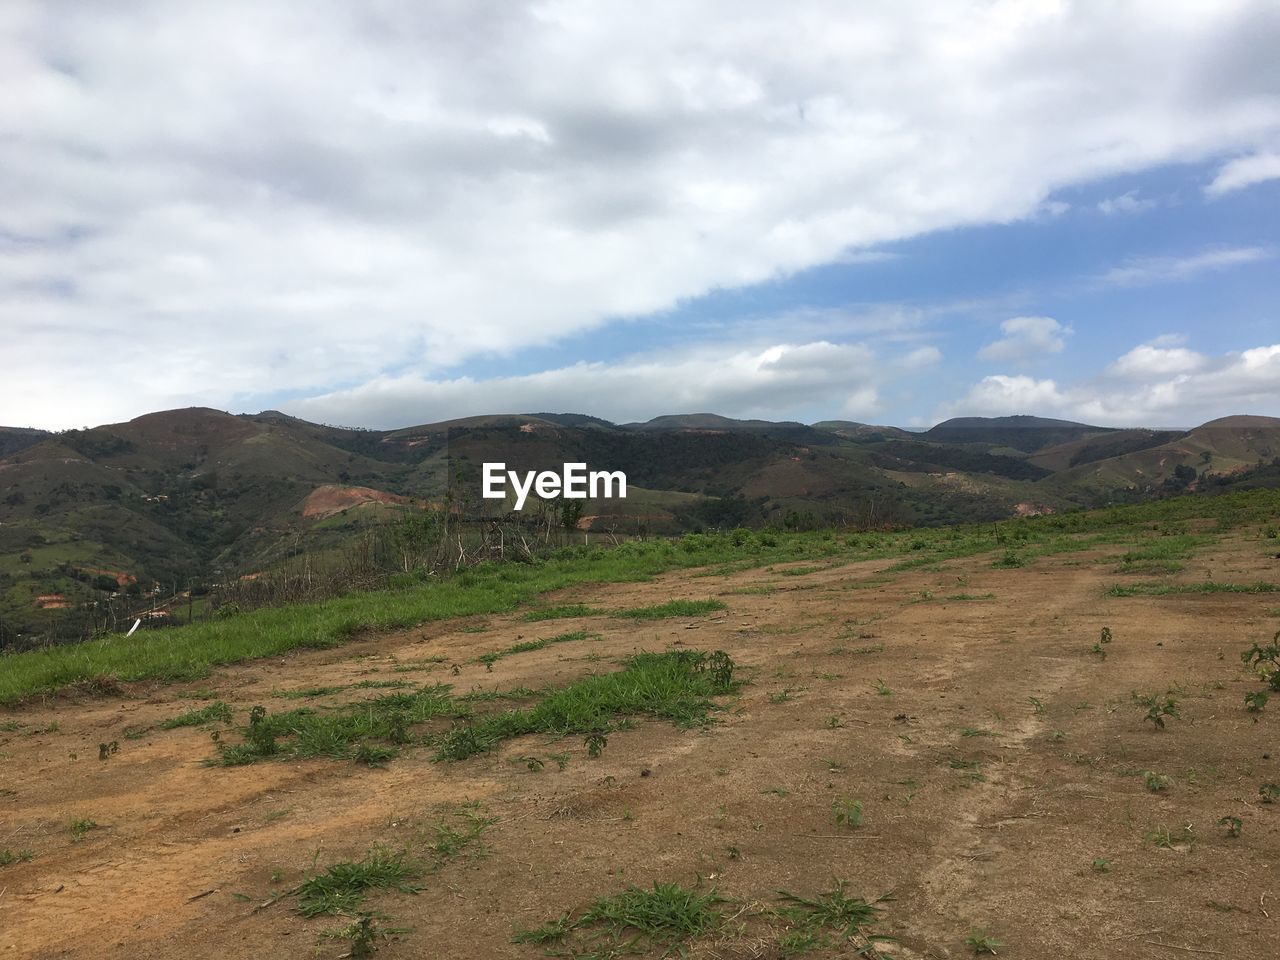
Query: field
[921, 745]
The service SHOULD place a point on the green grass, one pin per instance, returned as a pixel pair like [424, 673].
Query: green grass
[1163, 554]
[1209, 586]
[673, 608]
[343, 887]
[663, 921]
[1010, 560]
[847, 916]
[528, 645]
[485, 696]
[195, 718]
[10, 857]
[634, 921]
[190, 652]
[307, 693]
[563, 612]
[368, 730]
[979, 941]
[676, 686]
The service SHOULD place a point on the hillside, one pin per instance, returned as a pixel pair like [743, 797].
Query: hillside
[13, 439]
[712, 421]
[1028, 434]
[852, 430]
[1226, 448]
[182, 497]
[1095, 447]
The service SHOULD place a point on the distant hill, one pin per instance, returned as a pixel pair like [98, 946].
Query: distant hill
[711, 421]
[575, 420]
[13, 439]
[852, 430]
[1028, 434]
[1221, 448]
[1094, 447]
[180, 496]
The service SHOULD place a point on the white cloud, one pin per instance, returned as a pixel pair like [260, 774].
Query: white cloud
[999, 395]
[1148, 386]
[1026, 338]
[1245, 172]
[1126, 203]
[1156, 360]
[1142, 271]
[778, 381]
[922, 357]
[209, 202]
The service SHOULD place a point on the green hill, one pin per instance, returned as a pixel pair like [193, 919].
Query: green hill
[182, 497]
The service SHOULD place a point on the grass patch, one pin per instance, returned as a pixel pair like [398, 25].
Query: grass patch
[528, 645]
[634, 921]
[198, 717]
[487, 696]
[563, 612]
[1150, 566]
[1163, 554]
[383, 684]
[10, 857]
[307, 693]
[369, 730]
[1209, 586]
[676, 686]
[1011, 560]
[815, 919]
[343, 887]
[971, 596]
[673, 608]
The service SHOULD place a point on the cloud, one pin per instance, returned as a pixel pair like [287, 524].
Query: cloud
[1244, 172]
[921, 358]
[1148, 386]
[213, 203]
[1143, 271]
[778, 381]
[1026, 338]
[998, 395]
[1157, 359]
[1126, 203]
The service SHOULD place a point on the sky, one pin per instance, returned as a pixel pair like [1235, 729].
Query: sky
[391, 213]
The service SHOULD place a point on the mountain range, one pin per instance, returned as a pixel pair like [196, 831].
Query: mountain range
[192, 494]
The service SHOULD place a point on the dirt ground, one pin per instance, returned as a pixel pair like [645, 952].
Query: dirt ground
[980, 807]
